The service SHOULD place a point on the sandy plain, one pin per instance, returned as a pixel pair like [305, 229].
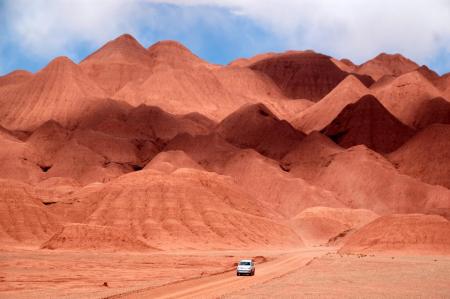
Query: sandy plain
[311, 272]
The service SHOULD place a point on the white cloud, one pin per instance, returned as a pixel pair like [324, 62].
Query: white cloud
[46, 27]
[350, 28]
[355, 29]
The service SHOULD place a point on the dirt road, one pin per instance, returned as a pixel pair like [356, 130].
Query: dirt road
[218, 285]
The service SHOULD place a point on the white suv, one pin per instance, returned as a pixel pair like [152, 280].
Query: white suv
[245, 267]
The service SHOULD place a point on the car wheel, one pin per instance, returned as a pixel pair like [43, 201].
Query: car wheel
[238, 274]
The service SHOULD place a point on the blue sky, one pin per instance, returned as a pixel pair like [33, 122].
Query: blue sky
[34, 32]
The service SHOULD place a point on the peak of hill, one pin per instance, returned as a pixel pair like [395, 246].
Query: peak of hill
[171, 49]
[59, 61]
[170, 161]
[61, 85]
[123, 49]
[345, 64]
[176, 55]
[386, 64]
[245, 62]
[118, 62]
[319, 115]
[302, 74]
[255, 126]
[368, 122]
[404, 95]
[179, 86]
[428, 73]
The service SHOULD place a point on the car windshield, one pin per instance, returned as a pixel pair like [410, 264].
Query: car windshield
[244, 263]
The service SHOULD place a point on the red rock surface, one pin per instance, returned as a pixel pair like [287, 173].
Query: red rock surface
[255, 126]
[320, 225]
[47, 140]
[310, 155]
[415, 233]
[188, 208]
[14, 158]
[23, 219]
[77, 161]
[267, 181]
[210, 151]
[368, 122]
[94, 237]
[153, 122]
[15, 77]
[434, 111]
[414, 158]
[443, 83]
[368, 181]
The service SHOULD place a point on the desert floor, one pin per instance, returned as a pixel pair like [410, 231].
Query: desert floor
[308, 272]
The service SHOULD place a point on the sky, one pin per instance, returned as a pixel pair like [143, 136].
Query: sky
[32, 33]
